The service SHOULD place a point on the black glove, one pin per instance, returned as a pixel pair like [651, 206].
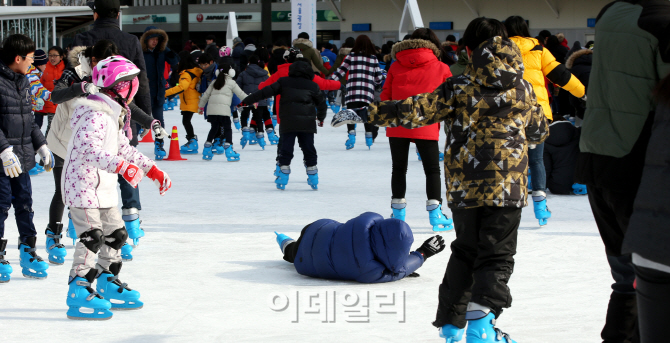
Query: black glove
[431, 246]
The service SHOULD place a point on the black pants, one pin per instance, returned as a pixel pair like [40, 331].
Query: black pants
[260, 117]
[216, 129]
[57, 206]
[292, 249]
[17, 192]
[306, 142]
[612, 211]
[653, 300]
[368, 127]
[481, 262]
[186, 121]
[430, 157]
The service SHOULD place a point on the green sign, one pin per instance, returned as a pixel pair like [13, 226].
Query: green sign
[321, 15]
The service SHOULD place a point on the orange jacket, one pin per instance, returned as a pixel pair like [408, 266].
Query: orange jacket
[50, 75]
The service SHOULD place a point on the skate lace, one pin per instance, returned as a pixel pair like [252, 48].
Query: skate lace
[56, 239]
[115, 280]
[499, 333]
[93, 294]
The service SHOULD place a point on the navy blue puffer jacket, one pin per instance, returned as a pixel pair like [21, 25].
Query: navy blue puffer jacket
[17, 125]
[367, 249]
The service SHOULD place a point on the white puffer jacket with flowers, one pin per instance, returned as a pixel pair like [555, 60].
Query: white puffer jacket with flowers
[97, 146]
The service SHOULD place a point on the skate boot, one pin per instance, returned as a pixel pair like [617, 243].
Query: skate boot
[398, 207]
[127, 252]
[34, 171]
[277, 170]
[274, 120]
[252, 136]
[437, 218]
[207, 154]
[282, 178]
[417, 154]
[313, 177]
[441, 157]
[173, 103]
[260, 138]
[117, 293]
[236, 122]
[80, 294]
[481, 326]
[158, 150]
[272, 137]
[33, 266]
[132, 218]
[451, 333]
[283, 240]
[55, 249]
[368, 139]
[5, 268]
[231, 155]
[217, 147]
[165, 106]
[351, 141]
[579, 189]
[542, 212]
[190, 148]
[71, 232]
[245, 137]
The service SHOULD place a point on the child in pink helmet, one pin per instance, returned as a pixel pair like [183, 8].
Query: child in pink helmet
[98, 150]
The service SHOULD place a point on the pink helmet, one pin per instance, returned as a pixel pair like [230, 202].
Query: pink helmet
[225, 51]
[113, 72]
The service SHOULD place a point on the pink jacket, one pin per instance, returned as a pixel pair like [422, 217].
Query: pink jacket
[97, 146]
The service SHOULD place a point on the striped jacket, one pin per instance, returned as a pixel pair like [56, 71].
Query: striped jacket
[37, 89]
[364, 76]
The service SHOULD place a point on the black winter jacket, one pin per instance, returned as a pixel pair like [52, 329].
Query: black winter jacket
[299, 96]
[561, 149]
[17, 125]
[251, 78]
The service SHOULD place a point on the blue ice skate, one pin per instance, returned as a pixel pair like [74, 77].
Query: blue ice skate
[282, 178]
[207, 154]
[217, 147]
[451, 333]
[159, 151]
[34, 171]
[40, 169]
[418, 155]
[131, 216]
[542, 212]
[441, 156]
[336, 108]
[190, 148]
[127, 252]
[117, 293]
[398, 207]
[33, 266]
[272, 137]
[313, 177]
[236, 122]
[274, 120]
[5, 268]
[351, 141]
[71, 232]
[368, 139]
[260, 138]
[55, 249]
[277, 170]
[483, 330]
[252, 137]
[165, 106]
[579, 189]
[81, 295]
[283, 240]
[438, 220]
[231, 155]
[173, 103]
[245, 137]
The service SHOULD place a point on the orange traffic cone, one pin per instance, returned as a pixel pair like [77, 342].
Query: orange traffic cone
[174, 155]
[147, 138]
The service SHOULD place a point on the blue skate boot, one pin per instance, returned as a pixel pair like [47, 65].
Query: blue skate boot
[368, 139]
[131, 216]
[165, 106]
[260, 138]
[217, 147]
[579, 189]
[277, 170]
[231, 155]
[481, 326]
[71, 232]
[282, 178]
[159, 151]
[437, 218]
[542, 212]
[207, 154]
[274, 120]
[351, 141]
[245, 137]
[283, 241]
[398, 207]
[252, 136]
[272, 137]
[127, 252]
[33, 266]
[117, 293]
[80, 294]
[417, 154]
[441, 157]
[55, 249]
[236, 122]
[451, 333]
[173, 103]
[313, 177]
[5, 268]
[190, 148]
[34, 171]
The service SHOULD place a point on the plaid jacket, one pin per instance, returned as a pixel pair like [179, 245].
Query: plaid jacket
[364, 76]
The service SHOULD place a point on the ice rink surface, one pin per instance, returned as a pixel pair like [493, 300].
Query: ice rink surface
[209, 269]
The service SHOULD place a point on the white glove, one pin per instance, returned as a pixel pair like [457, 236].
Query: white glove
[90, 88]
[10, 162]
[47, 157]
[39, 104]
[159, 131]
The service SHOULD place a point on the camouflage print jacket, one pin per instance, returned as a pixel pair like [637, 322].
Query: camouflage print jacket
[491, 115]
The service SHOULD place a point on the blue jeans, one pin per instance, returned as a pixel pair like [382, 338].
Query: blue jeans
[536, 166]
[157, 113]
[17, 192]
[130, 197]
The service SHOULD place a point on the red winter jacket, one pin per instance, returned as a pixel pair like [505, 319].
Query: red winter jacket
[418, 71]
[282, 71]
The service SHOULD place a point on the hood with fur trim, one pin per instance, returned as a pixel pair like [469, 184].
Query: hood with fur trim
[73, 55]
[577, 54]
[162, 39]
[344, 51]
[303, 41]
[279, 47]
[414, 44]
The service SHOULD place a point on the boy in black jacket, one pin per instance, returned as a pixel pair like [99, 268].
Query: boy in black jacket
[299, 96]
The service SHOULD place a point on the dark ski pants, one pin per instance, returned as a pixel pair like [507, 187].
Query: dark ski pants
[292, 249]
[186, 121]
[17, 192]
[481, 262]
[220, 128]
[368, 127]
[57, 206]
[653, 301]
[430, 157]
[260, 117]
[612, 211]
[157, 112]
[130, 197]
[306, 142]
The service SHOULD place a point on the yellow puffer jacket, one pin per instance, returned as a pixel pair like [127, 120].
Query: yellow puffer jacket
[538, 63]
[187, 89]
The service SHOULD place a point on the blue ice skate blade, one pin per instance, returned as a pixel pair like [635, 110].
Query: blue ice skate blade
[37, 274]
[100, 314]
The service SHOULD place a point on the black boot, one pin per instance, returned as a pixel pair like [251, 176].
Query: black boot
[621, 323]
